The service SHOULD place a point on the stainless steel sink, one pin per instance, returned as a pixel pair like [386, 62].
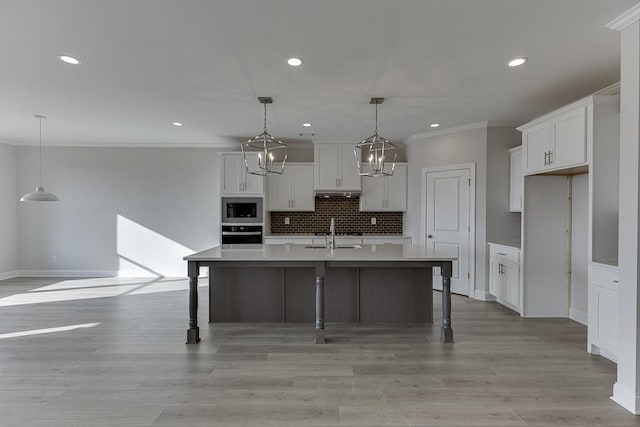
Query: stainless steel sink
[337, 247]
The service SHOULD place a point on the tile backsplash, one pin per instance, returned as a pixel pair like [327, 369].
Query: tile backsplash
[346, 213]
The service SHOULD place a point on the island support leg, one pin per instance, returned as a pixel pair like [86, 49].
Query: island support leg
[446, 332]
[320, 273]
[193, 333]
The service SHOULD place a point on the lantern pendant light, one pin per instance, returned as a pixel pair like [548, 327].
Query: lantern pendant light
[375, 156]
[39, 194]
[263, 154]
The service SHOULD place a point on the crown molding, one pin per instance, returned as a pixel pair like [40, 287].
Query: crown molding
[627, 18]
[455, 129]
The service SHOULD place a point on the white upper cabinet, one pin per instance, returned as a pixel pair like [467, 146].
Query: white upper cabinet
[293, 190]
[556, 141]
[516, 181]
[388, 193]
[235, 178]
[335, 167]
[536, 146]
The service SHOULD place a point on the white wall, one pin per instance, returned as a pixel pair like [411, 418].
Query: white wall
[8, 211]
[579, 248]
[133, 210]
[468, 146]
[502, 225]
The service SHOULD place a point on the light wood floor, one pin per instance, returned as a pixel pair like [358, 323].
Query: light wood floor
[128, 365]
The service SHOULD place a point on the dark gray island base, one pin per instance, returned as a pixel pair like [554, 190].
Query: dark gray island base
[275, 283]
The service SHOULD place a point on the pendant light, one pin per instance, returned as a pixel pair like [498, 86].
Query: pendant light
[39, 194]
[375, 156]
[263, 154]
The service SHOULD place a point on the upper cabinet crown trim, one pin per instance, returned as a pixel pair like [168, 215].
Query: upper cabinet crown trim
[609, 90]
[627, 18]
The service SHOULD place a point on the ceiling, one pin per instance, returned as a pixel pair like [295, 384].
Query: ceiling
[148, 63]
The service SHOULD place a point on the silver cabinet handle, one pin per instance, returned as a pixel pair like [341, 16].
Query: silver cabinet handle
[500, 253]
[546, 153]
[550, 158]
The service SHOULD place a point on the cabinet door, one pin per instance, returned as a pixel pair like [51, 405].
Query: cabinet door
[231, 173]
[516, 182]
[535, 145]
[511, 277]
[348, 177]
[302, 188]
[326, 166]
[570, 138]
[495, 278]
[252, 183]
[603, 320]
[396, 191]
[373, 194]
[279, 191]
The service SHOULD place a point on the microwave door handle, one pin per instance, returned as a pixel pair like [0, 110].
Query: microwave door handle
[241, 233]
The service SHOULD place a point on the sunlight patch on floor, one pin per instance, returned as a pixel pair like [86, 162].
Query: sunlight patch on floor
[48, 330]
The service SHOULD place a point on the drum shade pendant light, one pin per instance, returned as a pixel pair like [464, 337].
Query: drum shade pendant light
[39, 194]
[375, 156]
[263, 154]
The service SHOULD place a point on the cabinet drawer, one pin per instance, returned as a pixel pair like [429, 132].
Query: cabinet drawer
[504, 253]
[604, 276]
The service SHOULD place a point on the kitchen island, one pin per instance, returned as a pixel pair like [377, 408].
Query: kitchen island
[365, 280]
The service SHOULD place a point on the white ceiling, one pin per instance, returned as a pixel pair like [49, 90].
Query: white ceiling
[148, 63]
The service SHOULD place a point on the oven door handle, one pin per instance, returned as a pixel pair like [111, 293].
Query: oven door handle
[241, 233]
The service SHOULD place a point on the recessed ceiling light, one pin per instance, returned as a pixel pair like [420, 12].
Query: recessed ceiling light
[307, 125]
[434, 125]
[177, 124]
[69, 59]
[516, 62]
[294, 62]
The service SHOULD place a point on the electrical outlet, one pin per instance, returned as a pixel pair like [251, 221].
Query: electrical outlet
[54, 258]
[373, 221]
[286, 221]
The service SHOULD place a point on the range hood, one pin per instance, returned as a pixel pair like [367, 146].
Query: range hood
[335, 194]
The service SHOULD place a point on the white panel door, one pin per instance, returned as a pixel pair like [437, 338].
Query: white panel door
[448, 226]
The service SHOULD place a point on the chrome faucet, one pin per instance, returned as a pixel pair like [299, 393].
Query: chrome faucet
[331, 244]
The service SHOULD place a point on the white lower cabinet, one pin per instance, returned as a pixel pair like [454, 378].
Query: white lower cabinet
[504, 278]
[603, 311]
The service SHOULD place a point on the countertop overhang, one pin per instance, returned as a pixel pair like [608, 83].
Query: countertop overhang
[298, 252]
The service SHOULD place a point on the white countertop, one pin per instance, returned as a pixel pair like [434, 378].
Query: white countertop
[510, 243]
[296, 252]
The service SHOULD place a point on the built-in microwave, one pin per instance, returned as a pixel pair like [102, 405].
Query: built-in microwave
[241, 210]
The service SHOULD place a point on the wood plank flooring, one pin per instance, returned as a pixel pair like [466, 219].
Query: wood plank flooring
[111, 352]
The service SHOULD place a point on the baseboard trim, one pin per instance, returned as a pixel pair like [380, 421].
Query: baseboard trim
[483, 295]
[8, 275]
[67, 273]
[578, 316]
[626, 398]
